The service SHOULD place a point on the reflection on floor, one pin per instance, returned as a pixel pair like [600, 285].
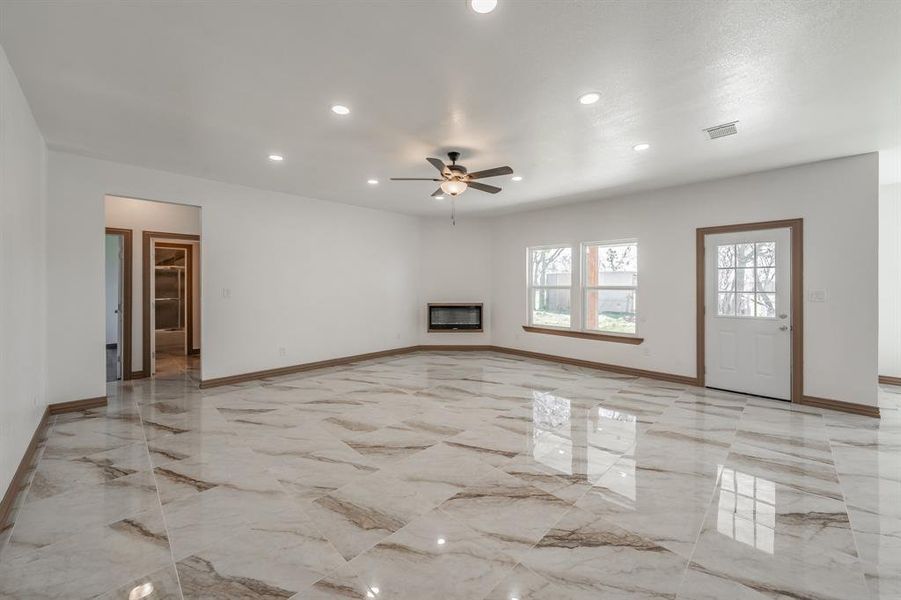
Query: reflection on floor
[112, 372]
[465, 475]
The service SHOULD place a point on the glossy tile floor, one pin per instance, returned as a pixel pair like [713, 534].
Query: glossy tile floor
[464, 475]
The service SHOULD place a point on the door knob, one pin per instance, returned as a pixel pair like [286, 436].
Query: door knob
[783, 328]
[783, 316]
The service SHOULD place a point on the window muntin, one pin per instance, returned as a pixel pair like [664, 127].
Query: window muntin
[550, 286]
[746, 280]
[610, 287]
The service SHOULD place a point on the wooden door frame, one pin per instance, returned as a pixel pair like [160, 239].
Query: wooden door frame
[127, 284]
[148, 237]
[796, 227]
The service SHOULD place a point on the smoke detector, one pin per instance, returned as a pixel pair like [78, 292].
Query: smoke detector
[718, 131]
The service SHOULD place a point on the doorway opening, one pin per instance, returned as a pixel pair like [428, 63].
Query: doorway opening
[118, 304]
[750, 322]
[171, 295]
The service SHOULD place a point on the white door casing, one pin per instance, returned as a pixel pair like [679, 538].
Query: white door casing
[747, 314]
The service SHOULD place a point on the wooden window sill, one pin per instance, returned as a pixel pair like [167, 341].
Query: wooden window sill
[601, 337]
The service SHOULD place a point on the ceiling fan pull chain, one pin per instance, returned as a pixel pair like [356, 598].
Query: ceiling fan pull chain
[453, 211]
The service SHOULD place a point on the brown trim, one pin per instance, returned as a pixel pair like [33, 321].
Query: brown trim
[586, 335]
[848, 407]
[128, 284]
[455, 348]
[17, 484]
[146, 239]
[76, 405]
[658, 375]
[796, 226]
[253, 375]
[889, 380]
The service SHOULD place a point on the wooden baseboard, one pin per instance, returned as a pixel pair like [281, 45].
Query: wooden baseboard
[25, 465]
[658, 375]
[454, 348]
[334, 362]
[889, 380]
[839, 405]
[76, 405]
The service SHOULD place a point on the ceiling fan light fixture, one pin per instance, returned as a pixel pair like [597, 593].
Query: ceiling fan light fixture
[454, 187]
[483, 7]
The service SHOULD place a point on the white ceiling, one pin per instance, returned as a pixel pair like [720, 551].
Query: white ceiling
[211, 88]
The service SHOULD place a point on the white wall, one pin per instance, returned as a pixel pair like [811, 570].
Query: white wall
[23, 274]
[112, 274]
[837, 200]
[146, 215]
[890, 280]
[279, 271]
[455, 266]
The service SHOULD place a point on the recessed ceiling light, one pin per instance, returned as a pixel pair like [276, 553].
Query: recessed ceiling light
[441, 541]
[483, 6]
[373, 182]
[589, 98]
[340, 109]
[516, 178]
[641, 147]
[276, 157]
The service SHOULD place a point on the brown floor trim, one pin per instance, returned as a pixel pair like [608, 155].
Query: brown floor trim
[454, 348]
[585, 335]
[76, 405]
[682, 379]
[25, 465]
[254, 375]
[889, 380]
[846, 407]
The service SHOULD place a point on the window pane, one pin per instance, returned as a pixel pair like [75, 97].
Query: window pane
[766, 280]
[766, 254]
[551, 307]
[744, 255]
[551, 266]
[725, 256]
[744, 306]
[726, 305]
[766, 305]
[610, 310]
[726, 280]
[611, 265]
[744, 280]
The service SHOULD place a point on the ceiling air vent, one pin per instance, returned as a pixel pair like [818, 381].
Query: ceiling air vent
[718, 131]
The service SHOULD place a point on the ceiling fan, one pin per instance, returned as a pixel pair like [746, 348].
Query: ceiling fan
[455, 179]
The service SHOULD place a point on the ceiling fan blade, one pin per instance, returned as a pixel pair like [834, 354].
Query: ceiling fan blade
[437, 163]
[491, 172]
[438, 192]
[415, 179]
[482, 187]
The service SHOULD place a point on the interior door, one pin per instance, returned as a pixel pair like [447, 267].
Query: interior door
[120, 313]
[747, 314]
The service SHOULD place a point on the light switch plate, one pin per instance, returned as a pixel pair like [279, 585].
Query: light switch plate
[816, 296]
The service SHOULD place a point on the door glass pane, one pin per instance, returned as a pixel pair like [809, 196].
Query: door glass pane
[726, 280]
[725, 305]
[551, 307]
[744, 280]
[766, 305]
[610, 310]
[744, 306]
[615, 265]
[725, 256]
[551, 266]
[766, 254]
[744, 255]
[766, 280]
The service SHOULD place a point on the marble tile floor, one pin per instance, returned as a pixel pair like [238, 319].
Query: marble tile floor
[457, 476]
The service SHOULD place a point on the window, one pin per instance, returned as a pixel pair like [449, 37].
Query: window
[610, 287]
[550, 286]
[746, 280]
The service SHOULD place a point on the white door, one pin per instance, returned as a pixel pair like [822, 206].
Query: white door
[748, 312]
[120, 313]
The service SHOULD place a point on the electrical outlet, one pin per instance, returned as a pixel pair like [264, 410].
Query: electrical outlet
[282, 351]
[226, 293]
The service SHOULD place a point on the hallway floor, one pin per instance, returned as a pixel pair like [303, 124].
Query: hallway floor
[458, 475]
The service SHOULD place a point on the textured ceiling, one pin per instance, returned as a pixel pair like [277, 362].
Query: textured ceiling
[211, 88]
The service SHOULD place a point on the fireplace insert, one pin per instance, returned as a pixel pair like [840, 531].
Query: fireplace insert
[455, 317]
